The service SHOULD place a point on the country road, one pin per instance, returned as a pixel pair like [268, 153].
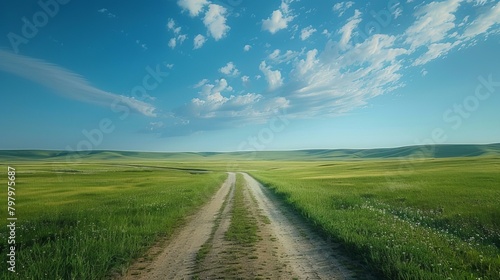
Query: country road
[287, 247]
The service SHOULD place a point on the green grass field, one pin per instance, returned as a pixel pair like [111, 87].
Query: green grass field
[412, 217]
[433, 219]
[85, 221]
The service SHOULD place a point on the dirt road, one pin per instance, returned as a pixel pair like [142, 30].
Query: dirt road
[287, 248]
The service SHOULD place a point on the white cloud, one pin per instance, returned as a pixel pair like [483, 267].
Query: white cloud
[215, 21]
[483, 22]
[434, 21]
[230, 69]
[341, 76]
[201, 83]
[142, 45]
[306, 65]
[181, 38]
[245, 79]
[273, 77]
[397, 12]
[347, 29]
[434, 51]
[277, 57]
[307, 32]
[247, 48]
[193, 6]
[67, 83]
[276, 22]
[478, 2]
[199, 41]
[279, 19]
[106, 12]
[342, 7]
[171, 26]
[336, 80]
[214, 103]
[169, 65]
[154, 126]
[172, 43]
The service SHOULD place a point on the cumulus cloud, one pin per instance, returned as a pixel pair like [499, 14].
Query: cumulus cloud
[215, 21]
[273, 77]
[172, 43]
[276, 22]
[172, 26]
[178, 38]
[340, 76]
[67, 83]
[230, 69]
[279, 19]
[199, 41]
[247, 48]
[215, 105]
[307, 32]
[194, 7]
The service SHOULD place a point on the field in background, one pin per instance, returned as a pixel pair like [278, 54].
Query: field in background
[82, 221]
[409, 213]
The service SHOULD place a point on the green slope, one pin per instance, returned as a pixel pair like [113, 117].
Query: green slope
[436, 151]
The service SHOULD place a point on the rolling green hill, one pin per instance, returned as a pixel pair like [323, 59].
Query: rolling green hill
[436, 151]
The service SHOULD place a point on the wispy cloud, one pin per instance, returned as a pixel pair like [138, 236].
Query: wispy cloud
[307, 32]
[341, 7]
[67, 83]
[434, 22]
[484, 23]
[105, 11]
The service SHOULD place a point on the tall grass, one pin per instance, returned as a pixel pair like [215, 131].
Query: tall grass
[439, 219]
[87, 221]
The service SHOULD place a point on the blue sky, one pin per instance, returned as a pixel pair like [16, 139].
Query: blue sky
[227, 75]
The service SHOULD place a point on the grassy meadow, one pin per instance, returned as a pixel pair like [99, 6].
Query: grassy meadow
[88, 220]
[431, 219]
[405, 214]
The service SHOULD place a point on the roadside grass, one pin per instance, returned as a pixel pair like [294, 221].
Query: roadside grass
[90, 220]
[243, 227]
[419, 219]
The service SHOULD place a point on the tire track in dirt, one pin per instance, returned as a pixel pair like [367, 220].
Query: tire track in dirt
[287, 247]
[178, 258]
[256, 260]
[308, 255]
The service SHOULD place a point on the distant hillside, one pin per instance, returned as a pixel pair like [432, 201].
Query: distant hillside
[437, 151]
